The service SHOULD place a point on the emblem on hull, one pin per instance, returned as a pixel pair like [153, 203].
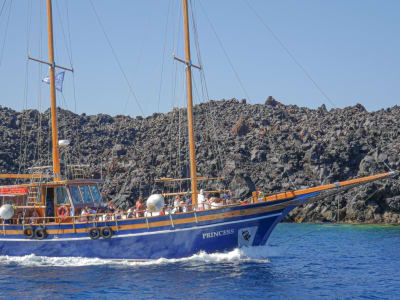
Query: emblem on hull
[246, 236]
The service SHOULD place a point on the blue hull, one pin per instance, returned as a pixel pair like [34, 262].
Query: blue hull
[172, 241]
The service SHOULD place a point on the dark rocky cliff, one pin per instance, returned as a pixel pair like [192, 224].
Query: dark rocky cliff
[269, 146]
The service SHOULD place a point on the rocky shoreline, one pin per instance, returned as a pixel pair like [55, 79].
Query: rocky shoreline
[271, 146]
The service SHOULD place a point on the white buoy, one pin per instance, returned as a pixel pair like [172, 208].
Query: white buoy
[63, 143]
[6, 211]
[155, 203]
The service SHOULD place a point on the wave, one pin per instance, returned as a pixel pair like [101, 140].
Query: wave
[258, 254]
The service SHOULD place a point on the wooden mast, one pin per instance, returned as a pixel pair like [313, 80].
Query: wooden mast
[54, 127]
[193, 174]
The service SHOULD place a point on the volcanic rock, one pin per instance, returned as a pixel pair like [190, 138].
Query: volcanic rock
[272, 147]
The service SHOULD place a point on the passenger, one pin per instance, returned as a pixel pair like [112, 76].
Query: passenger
[118, 214]
[84, 214]
[19, 218]
[104, 216]
[162, 212]
[216, 202]
[140, 207]
[131, 212]
[188, 204]
[34, 219]
[91, 211]
[261, 196]
[111, 206]
[207, 203]
[177, 205]
[108, 216]
[201, 200]
[168, 210]
[228, 199]
[181, 205]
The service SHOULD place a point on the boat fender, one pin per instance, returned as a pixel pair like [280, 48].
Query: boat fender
[29, 232]
[155, 203]
[94, 233]
[63, 212]
[40, 233]
[107, 232]
[6, 211]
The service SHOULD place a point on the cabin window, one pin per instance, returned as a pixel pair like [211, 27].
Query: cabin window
[95, 193]
[61, 196]
[86, 194]
[76, 194]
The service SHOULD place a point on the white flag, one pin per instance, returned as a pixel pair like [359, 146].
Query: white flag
[59, 80]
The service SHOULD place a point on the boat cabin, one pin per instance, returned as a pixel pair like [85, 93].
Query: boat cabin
[51, 199]
[74, 195]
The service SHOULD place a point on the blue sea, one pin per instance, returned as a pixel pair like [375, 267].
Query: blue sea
[301, 261]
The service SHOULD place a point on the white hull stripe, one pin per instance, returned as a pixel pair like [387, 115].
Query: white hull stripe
[143, 233]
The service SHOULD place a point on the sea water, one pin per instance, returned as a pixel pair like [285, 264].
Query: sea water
[301, 261]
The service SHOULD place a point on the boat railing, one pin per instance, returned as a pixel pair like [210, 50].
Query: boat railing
[131, 214]
[41, 173]
[107, 217]
[77, 171]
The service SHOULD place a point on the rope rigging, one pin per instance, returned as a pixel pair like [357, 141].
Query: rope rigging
[225, 53]
[163, 59]
[26, 122]
[210, 114]
[116, 57]
[40, 76]
[289, 53]
[6, 28]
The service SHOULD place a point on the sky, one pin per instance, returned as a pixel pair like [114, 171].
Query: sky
[308, 53]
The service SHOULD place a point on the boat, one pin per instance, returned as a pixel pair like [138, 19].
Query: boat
[43, 216]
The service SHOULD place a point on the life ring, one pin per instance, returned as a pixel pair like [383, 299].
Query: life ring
[94, 233]
[107, 232]
[29, 232]
[63, 212]
[40, 233]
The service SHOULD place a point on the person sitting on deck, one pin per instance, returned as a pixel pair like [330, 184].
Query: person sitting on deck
[188, 204]
[177, 205]
[228, 199]
[216, 202]
[140, 207]
[34, 219]
[91, 211]
[108, 216]
[84, 214]
[131, 213]
[162, 212]
[19, 218]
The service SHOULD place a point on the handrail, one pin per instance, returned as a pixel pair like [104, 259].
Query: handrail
[190, 193]
[98, 217]
[23, 176]
[170, 179]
